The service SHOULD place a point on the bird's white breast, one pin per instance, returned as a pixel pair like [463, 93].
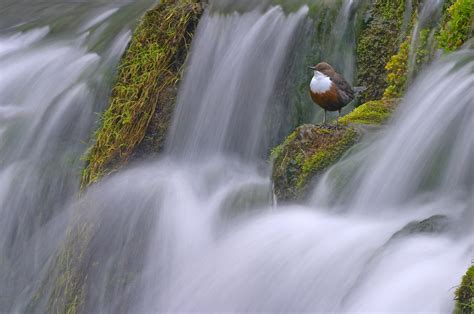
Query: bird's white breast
[320, 83]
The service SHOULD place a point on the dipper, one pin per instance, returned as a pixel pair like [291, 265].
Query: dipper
[329, 89]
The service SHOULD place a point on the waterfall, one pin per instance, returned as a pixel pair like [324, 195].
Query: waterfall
[54, 78]
[196, 230]
[241, 57]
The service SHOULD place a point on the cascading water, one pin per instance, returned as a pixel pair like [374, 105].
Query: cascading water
[226, 112]
[50, 88]
[196, 230]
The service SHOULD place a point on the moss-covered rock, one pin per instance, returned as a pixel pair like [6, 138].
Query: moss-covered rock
[372, 113]
[465, 294]
[145, 91]
[458, 25]
[311, 149]
[377, 43]
[306, 153]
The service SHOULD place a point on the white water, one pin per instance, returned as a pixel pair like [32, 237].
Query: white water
[215, 243]
[310, 259]
[241, 58]
[52, 83]
[196, 230]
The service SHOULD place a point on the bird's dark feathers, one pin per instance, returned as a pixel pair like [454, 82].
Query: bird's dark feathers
[345, 90]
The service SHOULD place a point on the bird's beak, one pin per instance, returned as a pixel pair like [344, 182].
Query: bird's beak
[312, 68]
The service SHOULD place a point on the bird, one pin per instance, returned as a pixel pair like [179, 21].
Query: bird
[329, 89]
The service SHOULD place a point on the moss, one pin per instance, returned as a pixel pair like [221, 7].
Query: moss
[377, 43]
[413, 54]
[458, 25]
[397, 69]
[306, 153]
[148, 74]
[373, 113]
[384, 36]
[465, 293]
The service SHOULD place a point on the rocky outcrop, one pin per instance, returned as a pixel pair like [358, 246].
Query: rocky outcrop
[465, 294]
[306, 152]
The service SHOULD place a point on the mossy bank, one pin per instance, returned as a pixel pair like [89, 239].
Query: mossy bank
[143, 97]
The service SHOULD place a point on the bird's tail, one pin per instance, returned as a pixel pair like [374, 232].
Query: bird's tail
[359, 90]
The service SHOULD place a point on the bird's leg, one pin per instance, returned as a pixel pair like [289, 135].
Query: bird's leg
[337, 120]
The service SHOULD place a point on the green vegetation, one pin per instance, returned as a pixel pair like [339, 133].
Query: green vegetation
[424, 51]
[373, 113]
[377, 43]
[384, 50]
[64, 285]
[306, 153]
[69, 294]
[397, 69]
[465, 294]
[458, 25]
[148, 73]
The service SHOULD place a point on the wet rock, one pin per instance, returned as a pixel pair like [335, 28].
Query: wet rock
[434, 224]
[465, 294]
[305, 154]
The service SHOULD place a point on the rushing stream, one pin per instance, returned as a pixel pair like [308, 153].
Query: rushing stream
[198, 230]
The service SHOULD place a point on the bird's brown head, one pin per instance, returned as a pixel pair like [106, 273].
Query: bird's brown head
[323, 67]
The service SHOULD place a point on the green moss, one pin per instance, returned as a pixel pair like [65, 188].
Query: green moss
[377, 43]
[458, 25]
[373, 113]
[397, 69]
[277, 151]
[148, 72]
[384, 43]
[306, 153]
[465, 294]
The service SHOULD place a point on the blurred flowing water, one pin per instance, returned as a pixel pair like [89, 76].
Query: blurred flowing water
[387, 229]
[57, 62]
[226, 111]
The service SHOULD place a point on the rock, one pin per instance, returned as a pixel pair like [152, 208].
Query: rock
[305, 154]
[465, 294]
[434, 224]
